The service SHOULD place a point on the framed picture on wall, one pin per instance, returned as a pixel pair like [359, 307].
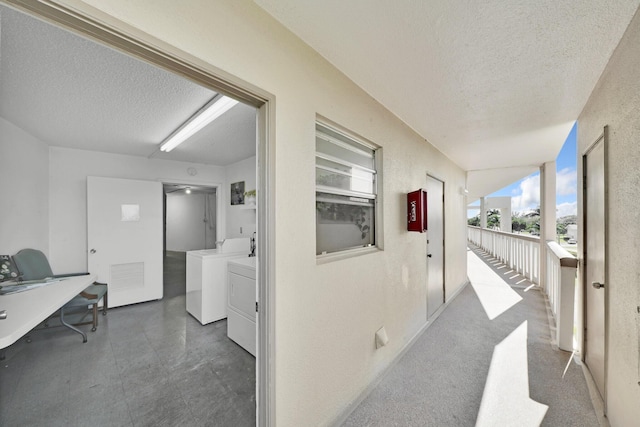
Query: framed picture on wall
[237, 193]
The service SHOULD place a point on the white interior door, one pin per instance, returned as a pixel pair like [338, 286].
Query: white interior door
[124, 219]
[435, 245]
[595, 286]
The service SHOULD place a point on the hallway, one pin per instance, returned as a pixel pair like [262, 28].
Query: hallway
[441, 379]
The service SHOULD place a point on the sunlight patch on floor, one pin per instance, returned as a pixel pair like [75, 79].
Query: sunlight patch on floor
[495, 295]
[506, 401]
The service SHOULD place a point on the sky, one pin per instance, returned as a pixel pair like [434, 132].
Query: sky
[525, 193]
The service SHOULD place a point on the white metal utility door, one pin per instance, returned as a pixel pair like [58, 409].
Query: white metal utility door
[124, 221]
[594, 199]
[435, 245]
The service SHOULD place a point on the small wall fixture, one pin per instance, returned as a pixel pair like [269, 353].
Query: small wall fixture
[211, 111]
[417, 211]
[381, 338]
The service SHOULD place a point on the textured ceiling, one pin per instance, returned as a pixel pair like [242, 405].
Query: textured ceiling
[492, 84]
[71, 92]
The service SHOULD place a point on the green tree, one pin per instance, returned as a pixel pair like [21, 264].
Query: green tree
[493, 218]
[517, 223]
[561, 228]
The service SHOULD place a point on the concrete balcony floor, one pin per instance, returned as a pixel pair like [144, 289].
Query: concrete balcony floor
[441, 379]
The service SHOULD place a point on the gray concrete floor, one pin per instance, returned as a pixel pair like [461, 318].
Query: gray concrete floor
[148, 364]
[153, 364]
[440, 380]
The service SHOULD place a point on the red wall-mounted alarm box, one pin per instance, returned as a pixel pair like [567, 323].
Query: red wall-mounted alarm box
[417, 211]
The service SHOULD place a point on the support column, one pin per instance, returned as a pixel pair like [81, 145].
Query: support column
[483, 220]
[547, 214]
[505, 220]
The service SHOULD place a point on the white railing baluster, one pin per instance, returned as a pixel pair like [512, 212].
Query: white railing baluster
[520, 253]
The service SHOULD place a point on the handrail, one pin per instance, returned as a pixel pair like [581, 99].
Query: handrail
[565, 257]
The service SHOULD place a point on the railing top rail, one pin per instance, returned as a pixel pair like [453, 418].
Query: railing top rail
[506, 233]
[566, 259]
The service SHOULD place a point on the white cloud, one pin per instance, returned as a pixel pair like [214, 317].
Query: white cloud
[567, 208]
[566, 182]
[529, 195]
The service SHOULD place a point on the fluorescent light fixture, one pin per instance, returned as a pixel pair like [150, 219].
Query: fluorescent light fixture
[214, 109]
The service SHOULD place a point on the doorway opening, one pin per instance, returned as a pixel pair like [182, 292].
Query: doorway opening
[190, 217]
[170, 335]
[190, 220]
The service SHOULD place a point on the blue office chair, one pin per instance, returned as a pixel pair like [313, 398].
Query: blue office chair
[33, 265]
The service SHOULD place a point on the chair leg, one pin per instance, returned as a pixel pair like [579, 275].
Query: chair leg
[84, 336]
[95, 317]
[104, 304]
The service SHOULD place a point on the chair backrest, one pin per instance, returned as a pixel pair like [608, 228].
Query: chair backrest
[32, 264]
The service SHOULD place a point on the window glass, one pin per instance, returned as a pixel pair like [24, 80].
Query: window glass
[336, 148]
[343, 223]
[335, 175]
[346, 192]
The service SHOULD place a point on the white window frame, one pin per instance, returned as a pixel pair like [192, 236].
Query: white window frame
[369, 150]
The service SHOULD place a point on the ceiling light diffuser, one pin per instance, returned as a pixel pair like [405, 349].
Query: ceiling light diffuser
[214, 109]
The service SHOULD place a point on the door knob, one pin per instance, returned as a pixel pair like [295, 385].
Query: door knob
[3, 314]
[93, 251]
[597, 285]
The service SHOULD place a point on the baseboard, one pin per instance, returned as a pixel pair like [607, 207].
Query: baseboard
[342, 417]
[596, 400]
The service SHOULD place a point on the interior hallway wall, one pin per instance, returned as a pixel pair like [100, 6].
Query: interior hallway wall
[69, 169]
[327, 314]
[615, 101]
[24, 190]
[186, 226]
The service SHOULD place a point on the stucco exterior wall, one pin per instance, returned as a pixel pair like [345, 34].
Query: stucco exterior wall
[615, 101]
[326, 314]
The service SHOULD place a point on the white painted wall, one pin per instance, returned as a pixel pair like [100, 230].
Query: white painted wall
[239, 218]
[504, 205]
[327, 314]
[24, 191]
[69, 169]
[186, 228]
[615, 101]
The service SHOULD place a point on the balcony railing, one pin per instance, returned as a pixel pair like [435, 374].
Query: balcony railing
[560, 286]
[522, 254]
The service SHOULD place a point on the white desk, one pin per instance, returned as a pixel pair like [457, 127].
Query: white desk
[25, 310]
